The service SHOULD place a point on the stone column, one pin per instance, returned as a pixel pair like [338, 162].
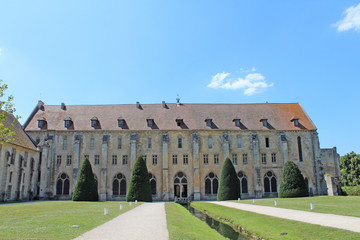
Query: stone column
[132, 150]
[165, 166]
[45, 183]
[3, 171]
[284, 148]
[77, 145]
[27, 180]
[317, 163]
[225, 145]
[103, 164]
[196, 165]
[256, 160]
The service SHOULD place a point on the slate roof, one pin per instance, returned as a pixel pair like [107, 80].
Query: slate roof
[278, 116]
[20, 138]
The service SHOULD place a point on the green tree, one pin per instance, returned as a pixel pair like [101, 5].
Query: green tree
[86, 187]
[139, 188]
[6, 108]
[350, 169]
[229, 188]
[293, 182]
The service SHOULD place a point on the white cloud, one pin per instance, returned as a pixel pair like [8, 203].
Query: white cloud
[253, 83]
[351, 19]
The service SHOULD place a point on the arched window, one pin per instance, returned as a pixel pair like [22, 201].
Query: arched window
[152, 180]
[119, 185]
[270, 184]
[180, 185]
[243, 182]
[63, 184]
[211, 184]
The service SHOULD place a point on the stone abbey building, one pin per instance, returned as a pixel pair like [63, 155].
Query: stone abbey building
[184, 146]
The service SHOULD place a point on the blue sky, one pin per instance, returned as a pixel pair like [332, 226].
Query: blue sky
[116, 52]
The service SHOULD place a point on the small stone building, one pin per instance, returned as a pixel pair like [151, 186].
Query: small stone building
[19, 165]
[184, 146]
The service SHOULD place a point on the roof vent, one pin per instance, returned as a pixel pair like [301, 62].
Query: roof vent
[163, 104]
[208, 122]
[63, 106]
[264, 122]
[178, 100]
[237, 122]
[138, 105]
[296, 121]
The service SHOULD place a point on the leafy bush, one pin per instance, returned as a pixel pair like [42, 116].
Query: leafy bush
[351, 190]
[139, 185]
[293, 182]
[229, 188]
[86, 187]
[350, 169]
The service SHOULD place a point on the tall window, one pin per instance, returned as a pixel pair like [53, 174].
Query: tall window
[149, 143]
[119, 185]
[152, 180]
[210, 145]
[154, 160]
[86, 157]
[65, 143]
[270, 184]
[179, 142]
[211, 184]
[58, 160]
[234, 159]
[267, 142]
[68, 160]
[216, 159]
[185, 159]
[273, 157]
[239, 142]
[263, 158]
[10, 177]
[125, 159]
[119, 143]
[300, 149]
[92, 144]
[206, 159]
[114, 159]
[243, 182]
[63, 185]
[174, 159]
[97, 159]
[245, 158]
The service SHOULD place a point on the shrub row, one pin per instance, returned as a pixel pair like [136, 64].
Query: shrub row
[351, 190]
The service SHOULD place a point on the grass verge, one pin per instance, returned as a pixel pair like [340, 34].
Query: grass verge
[55, 219]
[341, 205]
[270, 227]
[183, 225]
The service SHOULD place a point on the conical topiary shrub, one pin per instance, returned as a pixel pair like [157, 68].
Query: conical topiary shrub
[139, 188]
[229, 188]
[86, 187]
[293, 182]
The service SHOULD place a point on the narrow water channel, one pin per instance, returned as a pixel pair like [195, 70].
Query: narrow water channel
[220, 227]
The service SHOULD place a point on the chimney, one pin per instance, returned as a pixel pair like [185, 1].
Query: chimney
[178, 101]
[63, 106]
[138, 105]
[163, 104]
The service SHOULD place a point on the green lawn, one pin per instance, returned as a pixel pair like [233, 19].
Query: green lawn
[55, 219]
[270, 227]
[183, 225]
[341, 205]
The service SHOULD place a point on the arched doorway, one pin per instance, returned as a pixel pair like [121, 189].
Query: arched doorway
[180, 185]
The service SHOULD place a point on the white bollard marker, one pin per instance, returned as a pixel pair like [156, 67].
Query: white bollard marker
[253, 200]
[238, 199]
[312, 206]
[135, 201]
[275, 202]
[121, 206]
[106, 211]
[130, 203]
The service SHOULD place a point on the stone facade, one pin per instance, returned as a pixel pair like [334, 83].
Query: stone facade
[183, 161]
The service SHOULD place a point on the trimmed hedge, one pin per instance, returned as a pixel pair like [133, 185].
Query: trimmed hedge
[86, 187]
[351, 190]
[293, 182]
[140, 188]
[229, 188]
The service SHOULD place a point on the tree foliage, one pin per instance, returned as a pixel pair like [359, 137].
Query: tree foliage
[86, 187]
[350, 169]
[229, 188]
[293, 182]
[6, 108]
[139, 188]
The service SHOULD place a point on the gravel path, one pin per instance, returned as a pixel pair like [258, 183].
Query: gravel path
[147, 221]
[323, 219]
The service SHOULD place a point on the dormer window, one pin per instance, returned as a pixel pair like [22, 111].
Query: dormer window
[208, 122]
[121, 122]
[94, 122]
[264, 122]
[68, 122]
[296, 121]
[237, 122]
[150, 122]
[179, 121]
[42, 123]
